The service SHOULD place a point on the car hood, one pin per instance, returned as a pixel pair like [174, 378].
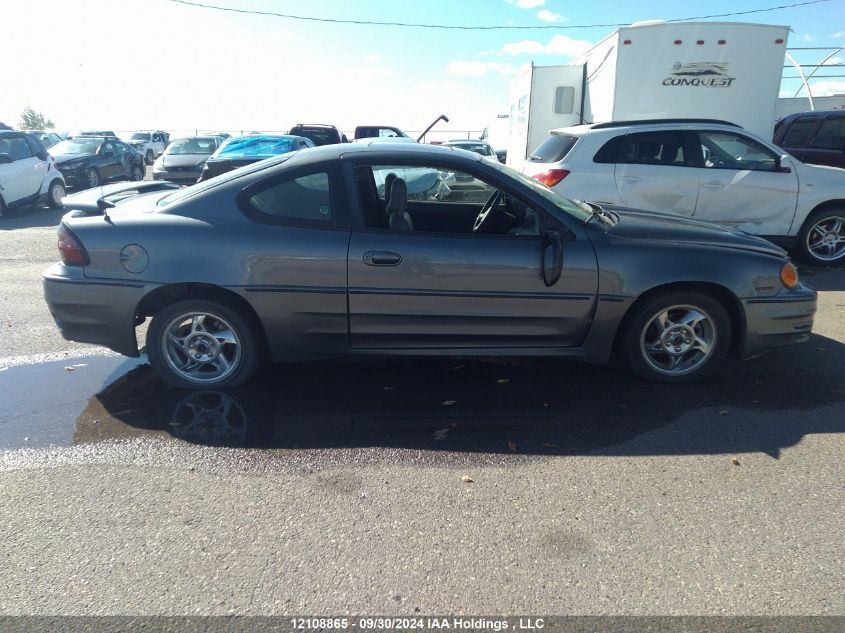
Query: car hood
[650, 225]
[66, 158]
[182, 160]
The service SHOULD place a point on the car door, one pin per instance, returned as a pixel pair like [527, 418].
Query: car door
[109, 161]
[294, 273]
[743, 184]
[417, 290]
[652, 172]
[23, 172]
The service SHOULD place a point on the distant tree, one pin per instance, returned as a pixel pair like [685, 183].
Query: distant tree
[32, 120]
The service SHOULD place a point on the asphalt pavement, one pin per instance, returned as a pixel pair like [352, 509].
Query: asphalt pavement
[405, 486]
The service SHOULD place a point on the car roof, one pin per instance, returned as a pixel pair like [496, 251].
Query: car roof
[658, 124]
[322, 126]
[814, 113]
[383, 150]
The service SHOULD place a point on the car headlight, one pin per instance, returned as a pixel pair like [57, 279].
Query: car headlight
[70, 165]
[789, 275]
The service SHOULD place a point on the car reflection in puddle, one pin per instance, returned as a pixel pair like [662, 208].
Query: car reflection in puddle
[484, 406]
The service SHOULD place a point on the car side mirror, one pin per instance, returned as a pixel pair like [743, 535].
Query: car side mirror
[107, 154]
[5, 159]
[780, 167]
[42, 155]
[552, 257]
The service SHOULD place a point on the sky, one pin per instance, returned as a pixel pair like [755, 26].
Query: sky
[158, 64]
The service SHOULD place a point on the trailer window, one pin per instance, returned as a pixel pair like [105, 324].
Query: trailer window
[799, 132]
[553, 149]
[564, 99]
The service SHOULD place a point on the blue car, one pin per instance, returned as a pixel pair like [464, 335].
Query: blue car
[245, 150]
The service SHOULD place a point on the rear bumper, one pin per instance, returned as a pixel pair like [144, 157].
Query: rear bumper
[101, 312]
[773, 322]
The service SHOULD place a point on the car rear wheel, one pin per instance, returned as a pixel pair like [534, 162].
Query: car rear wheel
[55, 194]
[137, 173]
[823, 237]
[196, 343]
[676, 337]
[148, 158]
[92, 177]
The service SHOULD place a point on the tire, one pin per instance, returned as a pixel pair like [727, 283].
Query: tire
[55, 194]
[2, 208]
[822, 239]
[136, 173]
[148, 157]
[92, 177]
[652, 355]
[215, 362]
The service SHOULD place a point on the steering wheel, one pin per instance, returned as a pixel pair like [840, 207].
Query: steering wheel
[482, 216]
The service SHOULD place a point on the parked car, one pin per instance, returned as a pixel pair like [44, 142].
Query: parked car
[700, 169]
[300, 256]
[379, 131]
[149, 144]
[319, 133]
[28, 174]
[814, 137]
[184, 159]
[88, 161]
[48, 139]
[245, 150]
[479, 147]
[75, 133]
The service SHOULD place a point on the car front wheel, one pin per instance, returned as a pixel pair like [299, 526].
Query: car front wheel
[92, 177]
[676, 337]
[137, 173]
[196, 343]
[55, 194]
[823, 237]
[149, 158]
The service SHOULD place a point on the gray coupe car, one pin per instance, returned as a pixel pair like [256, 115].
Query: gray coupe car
[323, 251]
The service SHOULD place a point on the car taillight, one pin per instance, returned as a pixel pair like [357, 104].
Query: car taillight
[552, 177]
[70, 249]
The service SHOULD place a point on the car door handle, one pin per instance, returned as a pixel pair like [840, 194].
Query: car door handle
[713, 185]
[631, 178]
[382, 258]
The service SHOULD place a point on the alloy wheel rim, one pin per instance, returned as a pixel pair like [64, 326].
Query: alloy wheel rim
[201, 347]
[93, 179]
[678, 340]
[826, 238]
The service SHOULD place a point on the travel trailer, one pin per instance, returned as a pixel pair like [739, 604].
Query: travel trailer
[655, 70]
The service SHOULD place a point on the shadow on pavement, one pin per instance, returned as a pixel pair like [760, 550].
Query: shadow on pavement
[823, 279]
[30, 217]
[543, 406]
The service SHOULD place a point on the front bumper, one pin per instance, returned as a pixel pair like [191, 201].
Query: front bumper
[97, 311]
[75, 177]
[181, 176]
[784, 319]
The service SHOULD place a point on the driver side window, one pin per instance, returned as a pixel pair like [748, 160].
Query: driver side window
[726, 150]
[436, 199]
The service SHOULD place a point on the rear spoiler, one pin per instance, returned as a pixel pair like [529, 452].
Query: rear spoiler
[95, 201]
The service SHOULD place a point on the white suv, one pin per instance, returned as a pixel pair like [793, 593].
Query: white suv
[28, 174]
[710, 170]
[149, 144]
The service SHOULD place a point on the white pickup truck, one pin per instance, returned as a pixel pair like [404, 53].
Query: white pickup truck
[150, 143]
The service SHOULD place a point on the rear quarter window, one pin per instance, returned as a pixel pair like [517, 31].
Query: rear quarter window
[300, 199]
[553, 149]
[799, 132]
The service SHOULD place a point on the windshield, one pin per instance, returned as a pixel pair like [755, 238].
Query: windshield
[254, 147]
[478, 148]
[204, 146]
[578, 210]
[80, 146]
[140, 136]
